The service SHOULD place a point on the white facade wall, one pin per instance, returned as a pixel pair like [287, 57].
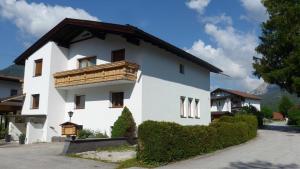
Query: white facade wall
[163, 86]
[7, 86]
[255, 103]
[223, 105]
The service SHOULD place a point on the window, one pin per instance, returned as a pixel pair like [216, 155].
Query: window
[182, 100]
[35, 101]
[87, 61]
[117, 99]
[13, 92]
[190, 107]
[79, 102]
[38, 67]
[118, 55]
[181, 68]
[196, 109]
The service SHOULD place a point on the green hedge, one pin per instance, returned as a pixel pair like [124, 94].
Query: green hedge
[294, 115]
[163, 142]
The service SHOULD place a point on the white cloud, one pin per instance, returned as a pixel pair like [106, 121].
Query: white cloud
[233, 54]
[198, 5]
[38, 18]
[223, 18]
[255, 10]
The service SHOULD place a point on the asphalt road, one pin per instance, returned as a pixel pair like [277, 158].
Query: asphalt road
[44, 156]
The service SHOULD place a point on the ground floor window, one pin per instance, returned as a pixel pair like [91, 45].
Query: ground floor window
[35, 101]
[196, 109]
[190, 107]
[117, 99]
[182, 107]
[79, 101]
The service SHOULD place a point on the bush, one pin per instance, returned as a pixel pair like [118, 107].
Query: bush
[124, 126]
[87, 133]
[267, 112]
[253, 111]
[294, 116]
[164, 142]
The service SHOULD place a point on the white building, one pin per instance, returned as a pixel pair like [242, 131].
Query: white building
[95, 69]
[225, 101]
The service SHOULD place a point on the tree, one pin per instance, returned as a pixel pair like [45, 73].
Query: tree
[284, 105]
[124, 126]
[280, 45]
[267, 112]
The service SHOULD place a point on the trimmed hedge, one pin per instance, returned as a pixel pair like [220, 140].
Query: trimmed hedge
[163, 142]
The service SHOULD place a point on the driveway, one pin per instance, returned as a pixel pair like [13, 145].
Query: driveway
[44, 156]
[277, 147]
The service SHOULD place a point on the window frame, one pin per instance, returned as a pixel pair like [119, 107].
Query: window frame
[197, 108]
[38, 72]
[182, 106]
[79, 106]
[190, 102]
[12, 91]
[112, 59]
[181, 69]
[121, 99]
[35, 101]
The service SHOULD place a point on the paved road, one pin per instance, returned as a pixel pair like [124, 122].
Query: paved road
[44, 156]
[278, 148]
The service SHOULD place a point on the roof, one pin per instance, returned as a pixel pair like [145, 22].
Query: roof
[68, 29]
[10, 78]
[239, 93]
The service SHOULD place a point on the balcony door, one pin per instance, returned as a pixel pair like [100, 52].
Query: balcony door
[118, 55]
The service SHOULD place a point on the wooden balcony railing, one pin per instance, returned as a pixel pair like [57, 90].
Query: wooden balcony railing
[121, 70]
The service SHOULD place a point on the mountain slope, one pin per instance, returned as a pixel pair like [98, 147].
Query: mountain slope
[271, 95]
[13, 70]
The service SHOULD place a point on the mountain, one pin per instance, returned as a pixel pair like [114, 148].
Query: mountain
[13, 70]
[271, 95]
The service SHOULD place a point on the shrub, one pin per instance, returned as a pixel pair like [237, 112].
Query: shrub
[87, 133]
[252, 110]
[124, 126]
[267, 112]
[294, 115]
[164, 142]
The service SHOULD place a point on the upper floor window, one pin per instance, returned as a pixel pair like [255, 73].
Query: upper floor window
[87, 61]
[38, 67]
[181, 68]
[13, 92]
[182, 107]
[35, 103]
[118, 55]
[80, 102]
[117, 99]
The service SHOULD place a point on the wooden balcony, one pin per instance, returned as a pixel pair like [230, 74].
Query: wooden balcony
[116, 71]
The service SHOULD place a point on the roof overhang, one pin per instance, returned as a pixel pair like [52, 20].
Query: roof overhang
[68, 29]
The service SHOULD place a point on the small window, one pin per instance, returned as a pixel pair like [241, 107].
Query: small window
[13, 92]
[79, 102]
[118, 55]
[190, 107]
[38, 67]
[35, 101]
[196, 109]
[181, 68]
[117, 99]
[87, 61]
[182, 100]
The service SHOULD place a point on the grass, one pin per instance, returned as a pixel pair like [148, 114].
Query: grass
[120, 148]
[95, 159]
[135, 163]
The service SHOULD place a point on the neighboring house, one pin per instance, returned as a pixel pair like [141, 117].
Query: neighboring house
[11, 79]
[225, 101]
[95, 69]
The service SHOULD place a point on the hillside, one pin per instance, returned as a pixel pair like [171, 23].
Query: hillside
[271, 95]
[13, 70]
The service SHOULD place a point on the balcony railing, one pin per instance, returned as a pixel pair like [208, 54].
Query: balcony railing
[121, 70]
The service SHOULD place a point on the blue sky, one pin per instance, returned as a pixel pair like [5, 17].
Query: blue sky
[223, 33]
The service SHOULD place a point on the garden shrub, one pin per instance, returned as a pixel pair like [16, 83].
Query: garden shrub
[87, 133]
[124, 126]
[267, 112]
[294, 115]
[163, 142]
[252, 110]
